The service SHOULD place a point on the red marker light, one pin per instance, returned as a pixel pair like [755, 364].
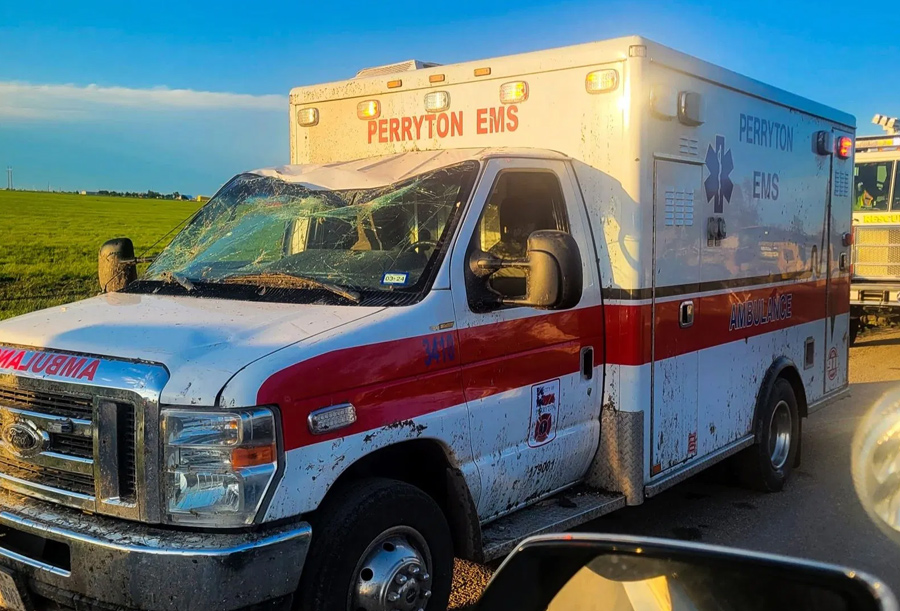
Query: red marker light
[844, 147]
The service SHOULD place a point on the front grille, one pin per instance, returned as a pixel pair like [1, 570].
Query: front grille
[876, 252]
[46, 476]
[91, 448]
[127, 468]
[67, 406]
[72, 445]
[65, 461]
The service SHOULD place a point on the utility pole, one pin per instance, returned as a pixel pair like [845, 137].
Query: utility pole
[9, 180]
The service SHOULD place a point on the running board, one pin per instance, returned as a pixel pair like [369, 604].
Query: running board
[566, 510]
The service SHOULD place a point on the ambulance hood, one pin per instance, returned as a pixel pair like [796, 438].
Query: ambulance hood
[202, 342]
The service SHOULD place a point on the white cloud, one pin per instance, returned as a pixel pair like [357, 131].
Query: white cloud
[27, 102]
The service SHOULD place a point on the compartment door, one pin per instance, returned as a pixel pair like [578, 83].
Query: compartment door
[676, 313]
[837, 279]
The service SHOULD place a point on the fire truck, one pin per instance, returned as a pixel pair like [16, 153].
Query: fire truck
[875, 284]
[483, 301]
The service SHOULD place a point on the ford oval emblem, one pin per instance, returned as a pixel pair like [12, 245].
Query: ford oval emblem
[22, 439]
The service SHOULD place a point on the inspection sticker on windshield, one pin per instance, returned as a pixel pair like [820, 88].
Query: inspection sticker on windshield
[397, 278]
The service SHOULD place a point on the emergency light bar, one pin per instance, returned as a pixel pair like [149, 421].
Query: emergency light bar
[601, 81]
[844, 147]
[368, 110]
[437, 101]
[514, 92]
[307, 117]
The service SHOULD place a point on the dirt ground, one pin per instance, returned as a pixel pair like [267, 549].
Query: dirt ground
[876, 356]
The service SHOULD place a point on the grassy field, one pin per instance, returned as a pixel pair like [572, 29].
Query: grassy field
[49, 242]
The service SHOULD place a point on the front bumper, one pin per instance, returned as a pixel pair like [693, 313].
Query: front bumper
[875, 295]
[84, 561]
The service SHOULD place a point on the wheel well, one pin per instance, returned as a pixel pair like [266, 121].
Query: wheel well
[425, 464]
[791, 374]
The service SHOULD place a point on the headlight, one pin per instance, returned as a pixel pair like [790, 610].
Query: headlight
[218, 465]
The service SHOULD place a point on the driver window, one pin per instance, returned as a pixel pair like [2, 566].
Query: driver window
[520, 203]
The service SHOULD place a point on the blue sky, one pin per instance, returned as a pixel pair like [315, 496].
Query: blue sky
[74, 112]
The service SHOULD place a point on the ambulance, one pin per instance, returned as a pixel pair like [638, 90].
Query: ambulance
[875, 256]
[483, 301]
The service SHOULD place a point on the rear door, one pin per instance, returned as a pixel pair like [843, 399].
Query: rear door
[837, 278]
[531, 376]
[676, 275]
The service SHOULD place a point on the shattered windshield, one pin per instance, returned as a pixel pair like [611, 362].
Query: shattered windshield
[263, 231]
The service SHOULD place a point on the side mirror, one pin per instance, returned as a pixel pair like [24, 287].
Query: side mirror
[116, 265]
[552, 264]
[595, 572]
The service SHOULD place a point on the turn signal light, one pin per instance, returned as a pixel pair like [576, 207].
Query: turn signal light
[514, 92]
[601, 81]
[844, 147]
[252, 456]
[307, 117]
[370, 109]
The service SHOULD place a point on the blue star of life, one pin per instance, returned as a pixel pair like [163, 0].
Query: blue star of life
[720, 165]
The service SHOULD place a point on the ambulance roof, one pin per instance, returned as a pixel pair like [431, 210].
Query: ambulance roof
[568, 57]
[376, 172]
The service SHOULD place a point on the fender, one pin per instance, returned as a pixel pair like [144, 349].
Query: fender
[431, 466]
[782, 367]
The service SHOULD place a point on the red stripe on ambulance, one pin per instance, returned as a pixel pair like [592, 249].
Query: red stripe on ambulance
[406, 378]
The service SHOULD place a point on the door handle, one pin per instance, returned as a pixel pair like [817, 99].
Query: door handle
[587, 363]
[686, 314]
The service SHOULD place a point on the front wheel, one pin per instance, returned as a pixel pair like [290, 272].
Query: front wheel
[378, 545]
[767, 465]
[855, 324]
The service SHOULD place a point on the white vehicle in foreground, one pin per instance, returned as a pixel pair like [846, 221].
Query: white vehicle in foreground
[487, 300]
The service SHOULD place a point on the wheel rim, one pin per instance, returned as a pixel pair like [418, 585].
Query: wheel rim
[780, 435]
[394, 573]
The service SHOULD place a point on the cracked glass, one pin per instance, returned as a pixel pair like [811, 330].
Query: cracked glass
[264, 231]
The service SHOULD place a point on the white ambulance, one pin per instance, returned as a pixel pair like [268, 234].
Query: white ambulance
[486, 300]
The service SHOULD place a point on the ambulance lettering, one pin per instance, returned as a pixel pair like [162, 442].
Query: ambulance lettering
[757, 312]
[61, 365]
[544, 413]
[442, 125]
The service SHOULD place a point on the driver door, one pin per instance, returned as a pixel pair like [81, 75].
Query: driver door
[529, 375]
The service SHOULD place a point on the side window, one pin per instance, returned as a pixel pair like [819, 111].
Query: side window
[520, 203]
[873, 184]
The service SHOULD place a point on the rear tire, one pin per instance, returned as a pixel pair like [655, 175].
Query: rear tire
[378, 544]
[767, 465]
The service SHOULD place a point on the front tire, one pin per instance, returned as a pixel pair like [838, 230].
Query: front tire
[855, 324]
[767, 465]
[378, 545]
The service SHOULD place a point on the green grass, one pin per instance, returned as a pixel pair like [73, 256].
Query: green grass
[49, 242]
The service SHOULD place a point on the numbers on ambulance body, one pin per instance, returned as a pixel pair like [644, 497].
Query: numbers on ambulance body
[439, 349]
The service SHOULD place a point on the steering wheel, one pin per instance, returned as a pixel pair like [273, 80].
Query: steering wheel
[416, 245]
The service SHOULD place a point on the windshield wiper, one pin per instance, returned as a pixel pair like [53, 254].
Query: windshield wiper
[281, 279]
[176, 278]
